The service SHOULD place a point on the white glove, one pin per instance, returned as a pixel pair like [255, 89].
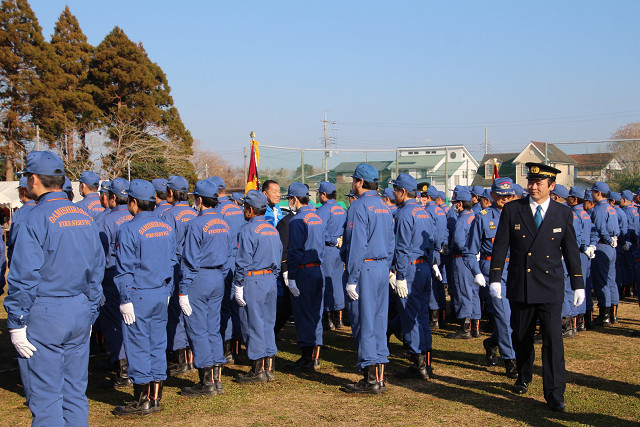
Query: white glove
[590, 251]
[578, 297]
[495, 290]
[127, 313]
[351, 291]
[103, 300]
[627, 246]
[401, 288]
[339, 242]
[478, 256]
[285, 277]
[392, 280]
[436, 272]
[183, 300]
[293, 288]
[614, 241]
[168, 299]
[239, 295]
[21, 343]
[480, 280]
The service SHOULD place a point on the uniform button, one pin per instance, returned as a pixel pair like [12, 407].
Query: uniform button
[547, 271]
[553, 238]
[523, 236]
[547, 256]
[529, 254]
[528, 270]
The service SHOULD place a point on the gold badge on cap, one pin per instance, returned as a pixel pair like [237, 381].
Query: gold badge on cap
[535, 169]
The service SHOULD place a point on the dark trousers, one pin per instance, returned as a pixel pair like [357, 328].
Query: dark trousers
[523, 323]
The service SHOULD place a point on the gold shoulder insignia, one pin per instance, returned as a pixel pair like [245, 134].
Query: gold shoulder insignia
[483, 212]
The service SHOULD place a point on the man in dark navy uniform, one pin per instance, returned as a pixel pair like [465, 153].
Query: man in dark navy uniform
[539, 233]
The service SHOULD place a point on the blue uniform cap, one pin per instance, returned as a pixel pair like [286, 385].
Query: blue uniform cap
[159, 184]
[366, 172]
[576, 192]
[205, 188]
[600, 186]
[638, 191]
[67, 185]
[615, 196]
[486, 194]
[177, 183]
[432, 191]
[297, 189]
[119, 187]
[503, 187]
[350, 194]
[256, 198]
[588, 195]
[627, 195]
[326, 187]
[141, 190]
[518, 190]
[461, 195]
[44, 163]
[23, 182]
[219, 182]
[406, 181]
[238, 197]
[388, 193]
[442, 195]
[561, 191]
[477, 190]
[104, 186]
[90, 178]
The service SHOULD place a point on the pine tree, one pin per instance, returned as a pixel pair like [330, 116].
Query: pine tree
[74, 54]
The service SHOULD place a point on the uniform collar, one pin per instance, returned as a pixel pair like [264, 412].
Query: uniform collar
[29, 203]
[162, 203]
[368, 193]
[207, 211]
[182, 203]
[144, 214]
[408, 202]
[120, 208]
[223, 198]
[307, 208]
[92, 195]
[52, 195]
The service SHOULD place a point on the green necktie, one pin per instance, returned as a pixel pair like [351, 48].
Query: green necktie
[538, 216]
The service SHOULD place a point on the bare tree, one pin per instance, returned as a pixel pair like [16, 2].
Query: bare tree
[628, 151]
[207, 163]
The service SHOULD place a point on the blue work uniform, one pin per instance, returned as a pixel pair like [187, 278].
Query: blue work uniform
[467, 304]
[145, 256]
[437, 299]
[477, 207]
[480, 241]
[304, 261]
[273, 214]
[257, 267]
[367, 251]
[333, 217]
[623, 224]
[204, 263]
[568, 309]
[603, 266]
[447, 260]
[15, 221]
[54, 289]
[583, 236]
[3, 265]
[633, 229]
[161, 208]
[413, 257]
[177, 217]
[110, 316]
[91, 205]
[100, 217]
[234, 217]
[393, 209]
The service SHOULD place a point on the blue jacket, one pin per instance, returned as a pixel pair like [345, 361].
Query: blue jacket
[439, 218]
[177, 217]
[161, 208]
[368, 234]
[414, 234]
[463, 225]
[57, 254]
[623, 224]
[333, 217]
[91, 205]
[633, 223]
[480, 239]
[234, 217]
[605, 222]
[207, 245]
[3, 266]
[306, 240]
[145, 255]
[585, 238]
[109, 231]
[273, 215]
[15, 221]
[259, 248]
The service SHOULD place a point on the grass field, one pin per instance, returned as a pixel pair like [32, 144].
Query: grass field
[603, 388]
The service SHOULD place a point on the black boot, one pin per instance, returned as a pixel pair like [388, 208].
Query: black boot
[180, 365]
[580, 325]
[475, 328]
[419, 368]
[491, 351]
[315, 355]
[511, 368]
[588, 320]
[269, 367]
[120, 379]
[190, 364]
[155, 395]
[205, 386]
[305, 363]
[370, 384]
[428, 359]
[227, 352]
[603, 317]
[613, 314]
[433, 320]
[442, 314]
[337, 319]
[567, 330]
[464, 333]
[490, 325]
[140, 406]
[236, 347]
[327, 321]
[255, 375]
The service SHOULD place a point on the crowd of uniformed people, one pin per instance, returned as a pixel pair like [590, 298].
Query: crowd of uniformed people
[171, 286]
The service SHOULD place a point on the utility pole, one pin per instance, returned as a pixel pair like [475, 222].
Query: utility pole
[37, 138]
[245, 166]
[486, 143]
[326, 147]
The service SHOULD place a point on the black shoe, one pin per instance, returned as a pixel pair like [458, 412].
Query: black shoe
[419, 368]
[120, 379]
[613, 314]
[141, 406]
[155, 395]
[205, 386]
[556, 406]
[520, 387]
[491, 351]
[304, 363]
[511, 369]
[370, 384]
[603, 317]
[464, 333]
[269, 367]
[228, 354]
[327, 321]
[567, 329]
[190, 364]
[588, 320]
[433, 320]
[580, 325]
[255, 375]
[475, 328]
[180, 365]
[337, 319]
[429, 358]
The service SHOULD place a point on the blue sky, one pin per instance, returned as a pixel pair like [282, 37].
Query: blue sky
[388, 73]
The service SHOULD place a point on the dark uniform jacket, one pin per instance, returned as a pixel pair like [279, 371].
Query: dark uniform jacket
[535, 272]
